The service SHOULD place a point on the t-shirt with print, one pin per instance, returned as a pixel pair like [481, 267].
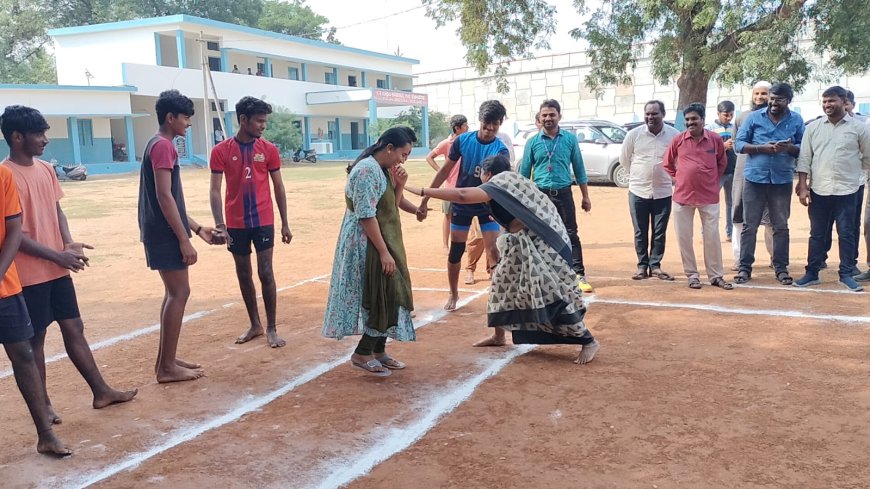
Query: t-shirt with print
[10, 208]
[160, 155]
[39, 192]
[472, 151]
[246, 166]
[443, 149]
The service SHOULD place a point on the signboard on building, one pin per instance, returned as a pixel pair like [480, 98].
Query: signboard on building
[397, 97]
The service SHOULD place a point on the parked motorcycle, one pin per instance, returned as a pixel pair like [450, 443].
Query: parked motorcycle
[70, 172]
[309, 155]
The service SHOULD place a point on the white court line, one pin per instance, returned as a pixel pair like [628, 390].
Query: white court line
[187, 434]
[401, 438]
[729, 310]
[156, 327]
[785, 288]
[427, 289]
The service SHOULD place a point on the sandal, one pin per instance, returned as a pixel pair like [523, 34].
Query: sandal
[721, 283]
[694, 283]
[661, 275]
[371, 367]
[742, 277]
[784, 278]
[641, 274]
[391, 363]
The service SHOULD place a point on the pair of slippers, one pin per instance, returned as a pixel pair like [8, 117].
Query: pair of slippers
[375, 365]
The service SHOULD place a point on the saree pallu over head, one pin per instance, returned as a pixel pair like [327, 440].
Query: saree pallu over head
[534, 287]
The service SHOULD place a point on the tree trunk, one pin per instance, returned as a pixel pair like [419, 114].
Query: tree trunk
[692, 83]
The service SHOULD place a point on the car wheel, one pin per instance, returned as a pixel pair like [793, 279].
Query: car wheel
[619, 176]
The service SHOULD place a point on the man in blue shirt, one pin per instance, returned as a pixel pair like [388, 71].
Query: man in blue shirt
[771, 138]
[550, 156]
[725, 129]
[468, 151]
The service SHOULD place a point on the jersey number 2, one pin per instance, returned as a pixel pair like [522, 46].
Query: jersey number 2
[247, 173]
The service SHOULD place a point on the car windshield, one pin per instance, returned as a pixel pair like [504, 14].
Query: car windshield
[615, 134]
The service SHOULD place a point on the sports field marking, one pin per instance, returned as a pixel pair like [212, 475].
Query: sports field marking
[426, 289]
[441, 404]
[185, 435]
[733, 310]
[156, 327]
[784, 288]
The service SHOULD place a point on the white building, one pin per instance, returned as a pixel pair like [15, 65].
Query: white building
[109, 77]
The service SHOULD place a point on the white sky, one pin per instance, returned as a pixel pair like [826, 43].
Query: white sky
[415, 34]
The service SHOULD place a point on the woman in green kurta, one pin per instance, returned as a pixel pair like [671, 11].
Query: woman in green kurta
[370, 289]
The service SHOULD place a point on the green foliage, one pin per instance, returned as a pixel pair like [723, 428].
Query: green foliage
[23, 58]
[283, 130]
[439, 125]
[295, 19]
[496, 32]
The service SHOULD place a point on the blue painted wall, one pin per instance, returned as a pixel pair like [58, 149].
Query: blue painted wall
[61, 150]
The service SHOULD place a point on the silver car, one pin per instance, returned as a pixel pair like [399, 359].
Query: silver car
[600, 144]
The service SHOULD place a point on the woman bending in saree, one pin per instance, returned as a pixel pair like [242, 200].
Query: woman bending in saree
[534, 291]
[370, 289]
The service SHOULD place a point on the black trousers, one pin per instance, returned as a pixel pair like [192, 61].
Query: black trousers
[563, 199]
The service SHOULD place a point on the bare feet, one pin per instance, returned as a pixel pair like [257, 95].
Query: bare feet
[186, 364]
[273, 339]
[52, 416]
[451, 303]
[50, 444]
[491, 341]
[178, 374]
[588, 352]
[114, 397]
[250, 335]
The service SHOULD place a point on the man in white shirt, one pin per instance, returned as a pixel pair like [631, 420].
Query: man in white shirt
[834, 155]
[649, 189]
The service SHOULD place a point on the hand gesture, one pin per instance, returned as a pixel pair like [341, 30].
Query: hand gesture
[79, 250]
[401, 176]
[71, 260]
[188, 253]
[286, 234]
[388, 264]
[209, 235]
[729, 145]
[422, 212]
[586, 204]
[803, 194]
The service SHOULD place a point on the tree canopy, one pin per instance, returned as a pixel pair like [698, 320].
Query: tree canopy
[690, 42]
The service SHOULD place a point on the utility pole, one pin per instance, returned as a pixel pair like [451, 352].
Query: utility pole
[206, 100]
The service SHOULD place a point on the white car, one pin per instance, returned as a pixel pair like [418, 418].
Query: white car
[600, 144]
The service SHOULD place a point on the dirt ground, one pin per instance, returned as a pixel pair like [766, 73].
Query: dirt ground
[760, 387]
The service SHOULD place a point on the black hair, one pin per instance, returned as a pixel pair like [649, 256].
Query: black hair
[25, 120]
[538, 116]
[491, 111]
[851, 96]
[697, 108]
[398, 136]
[550, 103]
[172, 102]
[457, 121]
[657, 102]
[495, 164]
[725, 106]
[837, 91]
[250, 106]
[784, 90]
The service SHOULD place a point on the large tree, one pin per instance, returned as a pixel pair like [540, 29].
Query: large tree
[296, 19]
[690, 42]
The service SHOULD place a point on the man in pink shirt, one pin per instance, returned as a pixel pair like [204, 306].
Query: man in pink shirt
[459, 125]
[696, 161]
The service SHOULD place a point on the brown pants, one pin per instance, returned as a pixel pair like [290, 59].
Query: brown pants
[475, 248]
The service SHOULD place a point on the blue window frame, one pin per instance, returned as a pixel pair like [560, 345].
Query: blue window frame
[329, 78]
[293, 73]
[86, 132]
[382, 83]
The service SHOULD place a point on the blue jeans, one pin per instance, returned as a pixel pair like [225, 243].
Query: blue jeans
[859, 206]
[727, 182]
[825, 211]
[777, 198]
[646, 213]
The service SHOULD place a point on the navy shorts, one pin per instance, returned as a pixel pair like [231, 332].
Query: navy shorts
[15, 323]
[164, 255]
[51, 301]
[463, 223]
[262, 237]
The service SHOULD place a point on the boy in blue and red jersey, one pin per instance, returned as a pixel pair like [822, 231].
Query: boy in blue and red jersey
[248, 162]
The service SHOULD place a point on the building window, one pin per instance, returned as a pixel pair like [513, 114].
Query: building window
[351, 80]
[329, 78]
[864, 109]
[214, 64]
[86, 132]
[212, 46]
[382, 83]
[330, 130]
[293, 73]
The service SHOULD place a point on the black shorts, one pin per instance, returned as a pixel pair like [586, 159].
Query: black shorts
[463, 223]
[15, 323]
[164, 255]
[51, 301]
[240, 240]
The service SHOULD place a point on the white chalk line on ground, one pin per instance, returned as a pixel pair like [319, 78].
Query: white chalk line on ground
[426, 289]
[400, 439]
[156, 327]
[187, 434]
[729, 310]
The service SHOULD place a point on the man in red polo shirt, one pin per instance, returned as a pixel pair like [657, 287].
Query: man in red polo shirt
[248, 162]
[696, 160]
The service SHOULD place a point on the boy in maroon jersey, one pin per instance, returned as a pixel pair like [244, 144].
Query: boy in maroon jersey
[248, 162]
